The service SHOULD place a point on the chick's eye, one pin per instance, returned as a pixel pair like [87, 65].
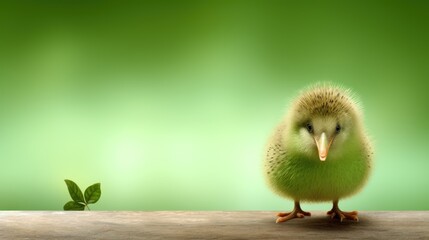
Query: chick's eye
[309, 127]
[337, 128]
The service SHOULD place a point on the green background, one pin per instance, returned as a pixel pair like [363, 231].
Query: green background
[169, 103]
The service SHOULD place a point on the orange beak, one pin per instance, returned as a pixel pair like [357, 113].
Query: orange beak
[323, 146]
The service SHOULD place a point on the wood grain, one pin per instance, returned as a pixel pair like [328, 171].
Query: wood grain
[208, 225]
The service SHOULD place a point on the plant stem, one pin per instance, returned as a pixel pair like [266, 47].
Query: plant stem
[88, 207]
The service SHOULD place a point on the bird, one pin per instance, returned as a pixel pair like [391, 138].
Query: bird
[320, 151]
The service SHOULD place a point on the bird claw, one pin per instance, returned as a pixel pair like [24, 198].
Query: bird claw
[283, 217]
[337, 213]
[284, 214]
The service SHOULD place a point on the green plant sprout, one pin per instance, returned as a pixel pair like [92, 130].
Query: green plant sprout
[92, 195]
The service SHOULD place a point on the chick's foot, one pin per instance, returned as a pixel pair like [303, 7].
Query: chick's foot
[335, 212]
[296, 213]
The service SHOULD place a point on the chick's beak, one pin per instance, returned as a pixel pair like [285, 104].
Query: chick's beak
[323, 146]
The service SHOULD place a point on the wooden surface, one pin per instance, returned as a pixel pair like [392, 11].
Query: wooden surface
[208, 225]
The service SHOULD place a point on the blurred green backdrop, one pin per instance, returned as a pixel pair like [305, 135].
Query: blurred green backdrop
[169, 103]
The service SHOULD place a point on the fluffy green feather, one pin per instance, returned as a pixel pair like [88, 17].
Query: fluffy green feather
[292, 165]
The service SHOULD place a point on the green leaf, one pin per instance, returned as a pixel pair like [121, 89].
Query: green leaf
[73, 206]
[75, 192]
[93, 193]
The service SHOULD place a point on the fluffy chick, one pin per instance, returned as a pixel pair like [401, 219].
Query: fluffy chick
[319, 152]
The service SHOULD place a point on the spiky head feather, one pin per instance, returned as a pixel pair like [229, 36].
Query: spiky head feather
[325, 99]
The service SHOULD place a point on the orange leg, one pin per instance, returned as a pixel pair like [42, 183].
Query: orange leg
[335, 212]
[297, 212]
